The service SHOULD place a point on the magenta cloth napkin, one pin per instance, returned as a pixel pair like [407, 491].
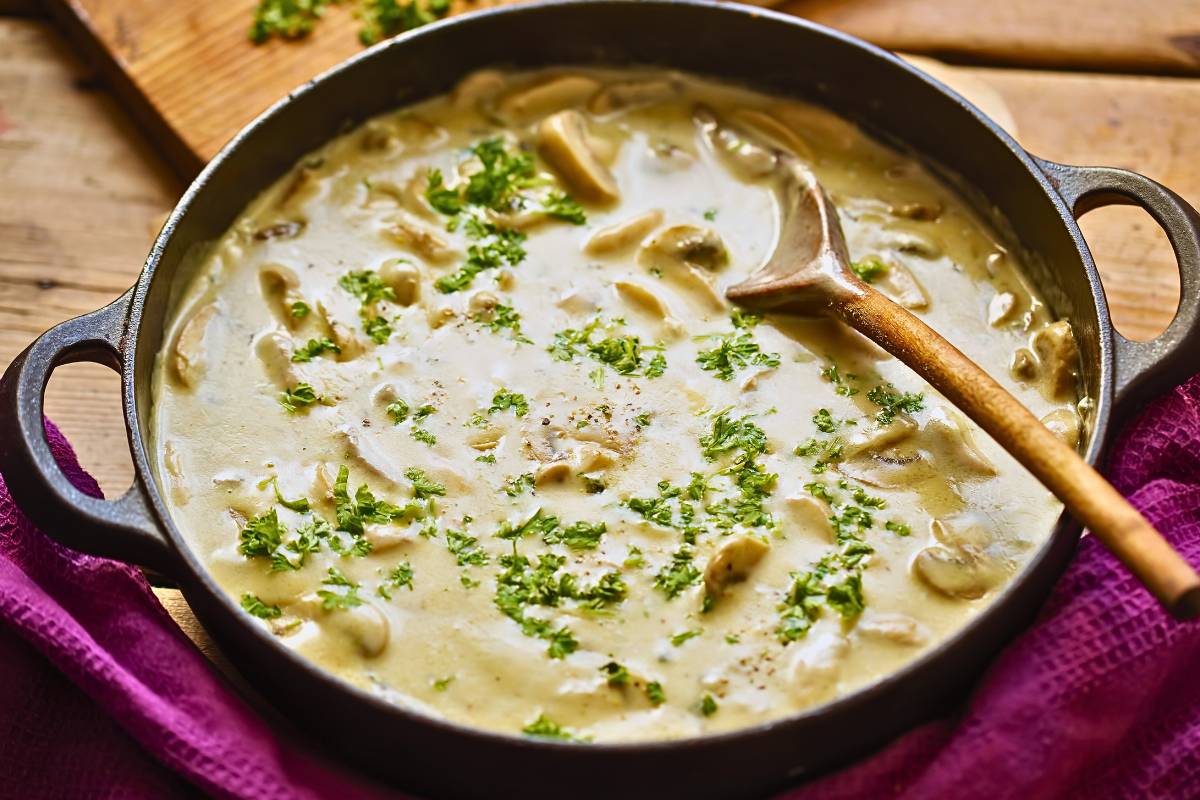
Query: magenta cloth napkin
[1099, 699]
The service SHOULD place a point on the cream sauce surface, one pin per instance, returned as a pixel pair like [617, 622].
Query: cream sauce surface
[598, 503]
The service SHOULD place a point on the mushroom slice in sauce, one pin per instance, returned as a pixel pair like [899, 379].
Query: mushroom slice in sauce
[563, 142]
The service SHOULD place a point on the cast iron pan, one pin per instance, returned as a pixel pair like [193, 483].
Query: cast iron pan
[1034, 199]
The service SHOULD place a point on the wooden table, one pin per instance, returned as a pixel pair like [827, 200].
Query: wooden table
[82, 193]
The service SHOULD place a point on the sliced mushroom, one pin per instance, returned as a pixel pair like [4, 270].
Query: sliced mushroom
[563, 142]
[322, 483]
[554, 472]
[733, 561]
[960, 563]
[897, 628]
[574, 301]
[649, 303]
[921, 210]
[899, 282]
[591, 458]
[527, 104]
[875, 440]
[620, 236]
[1058, 357]
[288, 229]
[439, 317]
[387, 537]
[365, 625]
[405, 133]
[773, 130]
[814, 669]
[1001, 308]
[302, 188]
[187, 356]
[482, 303]
[1024, 366]
[281, 288]
[1064, 423]
[915, 243]
[367, 452]
[953, 447]
[404, 277]
[274, 349]
[692, 246]
[943, 451]
[664, 157]
[506, 279]
[625, 95]
[810, 514]
[341, 329]
[486, 439]
[744, 158]
[416, 237]
[478, 88]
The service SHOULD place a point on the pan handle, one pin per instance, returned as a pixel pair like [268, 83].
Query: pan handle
[125, 528]
[1144, 368]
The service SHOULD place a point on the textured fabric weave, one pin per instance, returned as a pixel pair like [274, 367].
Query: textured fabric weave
[1099, 699]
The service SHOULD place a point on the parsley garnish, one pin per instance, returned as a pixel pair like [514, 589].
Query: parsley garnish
[733, 434]
[708, 706]
[354, 513]
[314, 348]
[559, 206]
[869, 268]
[538, 523]
[677, 575]
[518, 484]
[624, 354]
[384, 18]
[497, 247]
[655, 693]
[302, 396]
[500, 318]
[257, 608]
[890, 403]
[342, 593]
[397, 410]
[465, 549]
[401, 576]
[287, 19]
[423, 486]
[615, 674]
[504, 400]
[441, 684]
[736, 350]
[544, 728]
[682, 637]
[300, 309]
[578, 536]
[831, 374]
[366, 286]
[898, 528]
[261, 535]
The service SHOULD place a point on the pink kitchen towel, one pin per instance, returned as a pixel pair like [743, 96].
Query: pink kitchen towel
[101, 695]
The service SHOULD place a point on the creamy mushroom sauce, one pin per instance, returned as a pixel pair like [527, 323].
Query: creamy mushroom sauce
[582, 496]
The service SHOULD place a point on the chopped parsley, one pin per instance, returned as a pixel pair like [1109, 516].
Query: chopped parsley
[869, 268]
[891, 403]
[465, 549]
[577, 536]
[538, 523]
[422, 435]
[501, 318]
[545, 728]
[626, 355]
[682, 637]
[655, 693]
[300, 309]
[257, 608]
[397, 410]
[261, 535]
[497, 247]
[400, 577]
[342, 593]
[710, 214]
[385, 18]
[831, 374]
[898, 528]
[353, 513]
[441, 684]
[708, 706]
[730, 434]
[314, 348]
[423, 486]
[302, 396]
[678, 574]
[486, 458]
[735, 351]
[518, 484]
[287, 19]
[615, 674]
[377, 328]
[366, 286]
[560, 206]
[634, 558]
[503, 400]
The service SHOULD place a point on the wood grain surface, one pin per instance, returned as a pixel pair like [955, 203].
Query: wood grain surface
[192, 79]
[82, 195]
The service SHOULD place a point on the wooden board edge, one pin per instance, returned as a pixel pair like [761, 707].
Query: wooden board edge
[72, 21]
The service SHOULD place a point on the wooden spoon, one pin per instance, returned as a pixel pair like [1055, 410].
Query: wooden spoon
[810, 274]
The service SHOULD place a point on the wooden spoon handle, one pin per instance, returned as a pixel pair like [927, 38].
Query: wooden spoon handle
[1086, 494]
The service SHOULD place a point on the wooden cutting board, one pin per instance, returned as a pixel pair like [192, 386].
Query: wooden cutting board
[192, 79]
